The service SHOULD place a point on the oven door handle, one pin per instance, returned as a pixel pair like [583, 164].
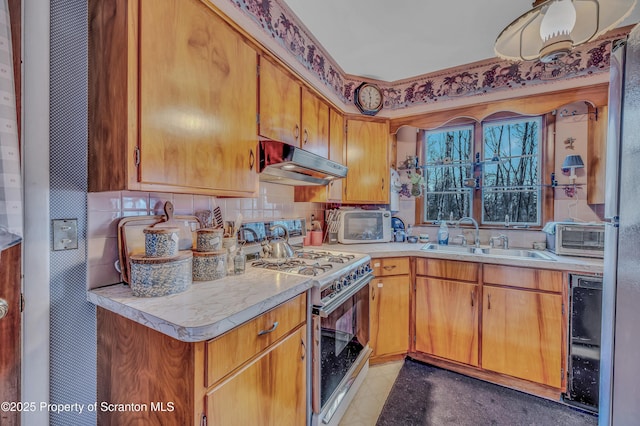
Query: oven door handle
[326, 310]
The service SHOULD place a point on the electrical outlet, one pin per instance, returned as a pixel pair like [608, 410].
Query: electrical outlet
[65, 234]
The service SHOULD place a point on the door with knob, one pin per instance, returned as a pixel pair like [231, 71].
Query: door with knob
[10, 338]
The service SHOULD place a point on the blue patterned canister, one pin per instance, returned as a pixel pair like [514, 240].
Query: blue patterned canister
[160, 276]
[161, 242]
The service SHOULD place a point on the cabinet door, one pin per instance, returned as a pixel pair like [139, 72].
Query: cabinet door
[197, 99]
[367, 158]
[447, 319]
[522, 334]
[315, 124]
[389, 315]
[269, 391]
[279, 104]
[336, 151]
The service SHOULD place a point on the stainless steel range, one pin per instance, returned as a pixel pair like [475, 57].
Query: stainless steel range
[340, 324]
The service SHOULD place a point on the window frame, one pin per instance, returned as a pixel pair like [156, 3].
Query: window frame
[537, 185]
[546, 165]
[469, 164]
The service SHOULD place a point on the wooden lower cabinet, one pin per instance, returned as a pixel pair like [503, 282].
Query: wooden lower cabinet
[389, 314]
[269, 391]
[522, 334]
[447, 319]
[255, 373]
[503, 324]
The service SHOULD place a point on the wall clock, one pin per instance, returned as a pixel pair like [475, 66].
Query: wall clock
[368, 98]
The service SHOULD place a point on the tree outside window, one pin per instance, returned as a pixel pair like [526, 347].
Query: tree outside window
[510, 172]
[447, 165]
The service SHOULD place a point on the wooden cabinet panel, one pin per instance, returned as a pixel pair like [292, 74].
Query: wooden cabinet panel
[279, 104]
[522, 334]
[450, 269]
[390, 266]
[535, 279]
[389, 315]
[266, 377]
[367, 156]
[232, 349]
[596, 154]
[335, 142]
[270, 391]
[336, 152]
[136, 364]
[315, 124]
[198, 99]
[172, 98]
[447, 319]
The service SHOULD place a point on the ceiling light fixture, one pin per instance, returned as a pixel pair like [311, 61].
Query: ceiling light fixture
[552, 28]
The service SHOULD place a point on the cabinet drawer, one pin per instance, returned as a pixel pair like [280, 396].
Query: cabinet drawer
[390, 266]
[449, 269]
[534, 279]
[234, 348]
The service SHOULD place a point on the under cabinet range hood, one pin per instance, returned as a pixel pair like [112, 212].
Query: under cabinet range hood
[289, 165]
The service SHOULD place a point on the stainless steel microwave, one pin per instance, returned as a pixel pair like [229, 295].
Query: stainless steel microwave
[364, 226]
[573, 239]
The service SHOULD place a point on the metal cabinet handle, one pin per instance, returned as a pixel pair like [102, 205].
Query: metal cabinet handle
[489, 301]
[4, 308]
[296, 132]
[252, 160]
[373, 293]
[306, 136]
[389, 268]
[275, 325]
[382, 184]
[472, 303]
[304, 350]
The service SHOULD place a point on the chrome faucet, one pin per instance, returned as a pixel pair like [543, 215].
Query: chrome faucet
[472, 220]
[504, 238]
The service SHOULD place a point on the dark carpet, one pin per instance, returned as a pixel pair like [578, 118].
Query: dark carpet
[425, 395]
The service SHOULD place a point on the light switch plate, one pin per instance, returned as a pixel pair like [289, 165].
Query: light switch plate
[65, 234]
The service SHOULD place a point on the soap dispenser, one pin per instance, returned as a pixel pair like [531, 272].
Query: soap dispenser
[443, 233]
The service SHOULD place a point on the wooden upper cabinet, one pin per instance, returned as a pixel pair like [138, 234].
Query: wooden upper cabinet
[178, 114]
[336, 152]
[315, 124]
[280, 104]
[332, 192]
[367, 156]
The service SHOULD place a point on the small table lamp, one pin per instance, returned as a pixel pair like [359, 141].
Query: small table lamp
[572, 162]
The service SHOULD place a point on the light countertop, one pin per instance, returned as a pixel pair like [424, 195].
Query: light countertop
[210, 308]
[563, 263]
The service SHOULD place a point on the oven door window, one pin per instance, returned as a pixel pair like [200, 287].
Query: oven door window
[344, 334]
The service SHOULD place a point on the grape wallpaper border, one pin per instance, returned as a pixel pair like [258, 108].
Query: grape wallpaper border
[278, 21]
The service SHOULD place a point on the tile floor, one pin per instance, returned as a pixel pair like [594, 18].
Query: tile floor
[368, 402]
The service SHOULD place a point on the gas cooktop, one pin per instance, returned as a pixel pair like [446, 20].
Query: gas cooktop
[327, 267]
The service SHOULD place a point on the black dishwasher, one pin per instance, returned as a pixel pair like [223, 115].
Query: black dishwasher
[585, 301]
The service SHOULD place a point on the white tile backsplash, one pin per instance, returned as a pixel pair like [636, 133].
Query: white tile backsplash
[107, 208]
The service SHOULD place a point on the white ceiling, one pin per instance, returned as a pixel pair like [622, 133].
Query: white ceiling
[391, 40]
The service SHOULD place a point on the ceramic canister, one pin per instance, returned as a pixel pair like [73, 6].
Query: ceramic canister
[161, 242]
[160, 276]
[209, 239]
[209, 266]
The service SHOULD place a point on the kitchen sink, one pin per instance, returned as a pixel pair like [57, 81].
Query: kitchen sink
[453, 249]
[486, 251]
